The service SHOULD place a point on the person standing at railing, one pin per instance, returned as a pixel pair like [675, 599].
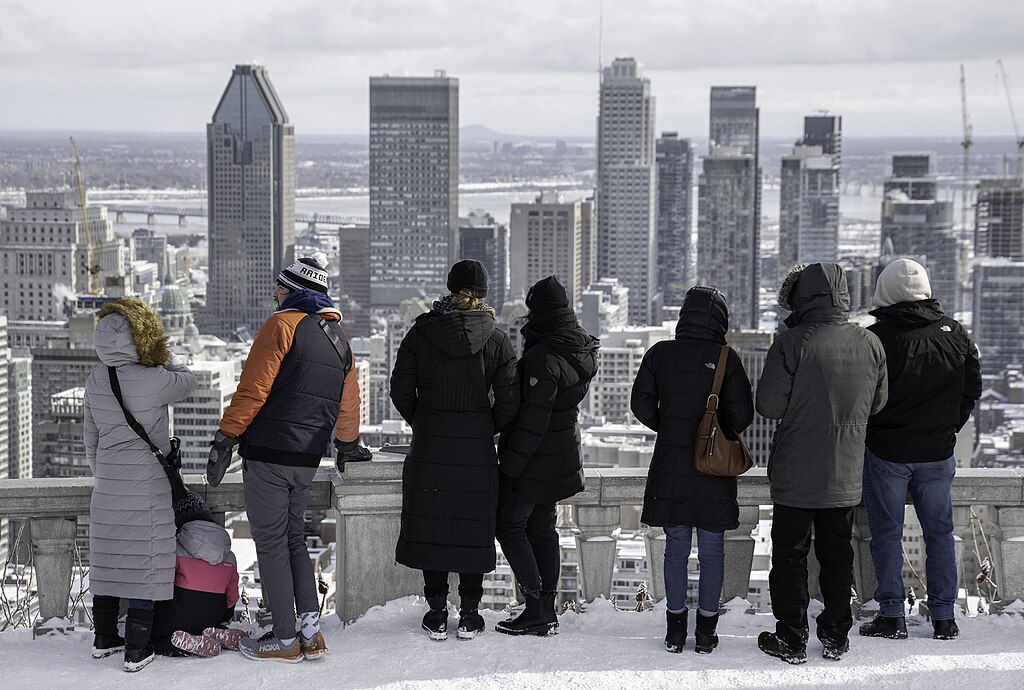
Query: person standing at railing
[455, 383]
[670, 396]
[541, 459]
[934, 381]
[822, 379]
[131, 520]
[298, 390]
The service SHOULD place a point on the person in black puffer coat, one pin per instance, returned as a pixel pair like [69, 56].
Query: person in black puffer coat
[669, 396]
[451, 363]
[541, 462]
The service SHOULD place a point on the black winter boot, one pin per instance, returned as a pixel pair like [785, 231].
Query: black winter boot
[138, 651]
[435, 621]
[771, 644]
[705, 638]
[945, 629]
[532, 621]
[891, 627]
[547, 606]
[106, 642]
[471, 623]
[675, 635]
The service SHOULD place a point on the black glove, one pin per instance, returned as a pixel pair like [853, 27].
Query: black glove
[350, 451]
[221, 449]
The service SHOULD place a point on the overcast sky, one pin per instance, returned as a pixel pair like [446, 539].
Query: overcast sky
[890, 67]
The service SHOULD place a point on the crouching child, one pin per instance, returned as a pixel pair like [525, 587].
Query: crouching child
[205, 587]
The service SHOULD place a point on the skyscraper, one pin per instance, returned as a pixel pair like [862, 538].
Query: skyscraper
[626, 188]
[916, 224]
[729, 215]
[675, 216]
[998, 326]
[250, 157]
[999, 223]
[809, 198]
[485, 240]
[354, 277]
[546, 238]
[414, 186]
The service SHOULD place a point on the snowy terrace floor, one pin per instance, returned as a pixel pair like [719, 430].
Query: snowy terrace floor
[602, 648]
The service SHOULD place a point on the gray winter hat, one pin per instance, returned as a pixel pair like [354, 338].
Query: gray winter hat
[904, 280]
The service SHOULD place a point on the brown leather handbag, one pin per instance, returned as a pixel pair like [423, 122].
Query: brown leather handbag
[718, 451]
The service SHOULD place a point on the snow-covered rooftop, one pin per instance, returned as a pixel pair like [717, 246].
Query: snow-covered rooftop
[602, 648]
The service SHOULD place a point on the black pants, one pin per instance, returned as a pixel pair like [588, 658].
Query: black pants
[791, 542]
[471, 587]
[526, 532]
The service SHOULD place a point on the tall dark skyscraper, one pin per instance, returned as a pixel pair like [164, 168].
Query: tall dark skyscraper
[626, 188]
[809, 195]
[675, 216]
[250, 152]
[414, 186]
[915, 224]
[354, 274]
[999, 220]
[729, 213]
[485, 240]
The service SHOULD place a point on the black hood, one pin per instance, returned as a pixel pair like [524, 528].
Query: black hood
[920, 313]
[561, 331]
[704, 315]
[457, 333]
[817, 294]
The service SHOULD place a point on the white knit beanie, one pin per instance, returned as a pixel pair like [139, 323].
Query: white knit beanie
[306, 274]
[903, 280]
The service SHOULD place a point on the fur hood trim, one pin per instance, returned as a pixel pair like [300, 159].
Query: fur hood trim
[785, 296]
[147, 330]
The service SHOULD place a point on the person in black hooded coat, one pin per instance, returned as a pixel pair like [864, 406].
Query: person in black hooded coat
[669, 395]
[541, 462]
[449, 365]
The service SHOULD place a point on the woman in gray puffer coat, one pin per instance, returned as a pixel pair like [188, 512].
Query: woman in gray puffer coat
[131, 521]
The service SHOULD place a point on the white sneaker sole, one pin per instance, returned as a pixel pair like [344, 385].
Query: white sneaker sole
[104, 653]
[467, 634]
[133, 667]
[436, 635]
[279, 659]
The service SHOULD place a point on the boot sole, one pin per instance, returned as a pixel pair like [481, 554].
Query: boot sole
[794, 660]
[704, 650]
[674, 649]
[439, 636]
[104, 653]
[467, 634]
[132, 667]
[535, 631]
[901, 635]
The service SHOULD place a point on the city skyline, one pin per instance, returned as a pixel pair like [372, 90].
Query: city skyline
[854, 58]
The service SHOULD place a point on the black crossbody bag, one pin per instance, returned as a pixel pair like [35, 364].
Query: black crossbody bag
[171, 463]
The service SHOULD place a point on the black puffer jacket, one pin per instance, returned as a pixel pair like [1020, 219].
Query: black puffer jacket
[934, 381]
[446, 367]
[822, 378]
[540, 452]
[669, 396]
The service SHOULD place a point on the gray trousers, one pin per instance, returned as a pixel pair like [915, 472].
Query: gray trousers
[275, 500]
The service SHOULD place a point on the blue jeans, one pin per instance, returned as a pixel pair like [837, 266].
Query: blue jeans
[885, 494]
[710, 555]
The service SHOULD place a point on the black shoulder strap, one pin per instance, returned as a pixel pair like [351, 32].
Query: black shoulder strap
[346, 362]
[115, 386]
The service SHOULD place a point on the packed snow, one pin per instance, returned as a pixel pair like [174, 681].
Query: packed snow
[601, 648]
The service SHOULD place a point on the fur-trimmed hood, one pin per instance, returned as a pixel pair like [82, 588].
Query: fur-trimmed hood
[130, 332]
[815, 292]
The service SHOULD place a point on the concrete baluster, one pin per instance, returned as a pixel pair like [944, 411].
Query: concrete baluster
[595, 549]
[739, 555]
[53, 547]
[1009, 568]
[654, 543]
[864, 579]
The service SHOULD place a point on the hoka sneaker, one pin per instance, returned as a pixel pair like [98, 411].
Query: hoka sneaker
[314, 647]
[200, 645]
[270, 648]
[228, 638]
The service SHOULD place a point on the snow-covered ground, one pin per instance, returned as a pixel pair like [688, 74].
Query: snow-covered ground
[602, 648]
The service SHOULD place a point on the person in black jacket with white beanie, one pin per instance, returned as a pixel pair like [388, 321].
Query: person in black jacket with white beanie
[934, 381]
[540, 458]
[669, 395]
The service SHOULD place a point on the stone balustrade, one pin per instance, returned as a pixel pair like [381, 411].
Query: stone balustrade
[368, 501]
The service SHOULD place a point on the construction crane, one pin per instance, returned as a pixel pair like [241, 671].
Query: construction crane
[91, 265]
[1013, 117]
[967, 143]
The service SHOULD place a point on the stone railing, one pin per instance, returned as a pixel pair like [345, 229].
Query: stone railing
[368, 501]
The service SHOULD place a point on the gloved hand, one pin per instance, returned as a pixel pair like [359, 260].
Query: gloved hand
[221, 449]
[350, 451]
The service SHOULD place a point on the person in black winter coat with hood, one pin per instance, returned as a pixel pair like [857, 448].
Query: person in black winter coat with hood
[669, 396]
[450, 364]
[934, 381]
[541, 462]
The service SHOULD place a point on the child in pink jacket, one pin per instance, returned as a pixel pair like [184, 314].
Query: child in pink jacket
[205, 587]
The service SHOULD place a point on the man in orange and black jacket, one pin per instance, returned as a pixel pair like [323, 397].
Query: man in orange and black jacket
[298, 389]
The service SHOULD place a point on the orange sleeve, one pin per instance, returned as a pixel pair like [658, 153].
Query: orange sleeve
[271, 345]
[347, 426]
